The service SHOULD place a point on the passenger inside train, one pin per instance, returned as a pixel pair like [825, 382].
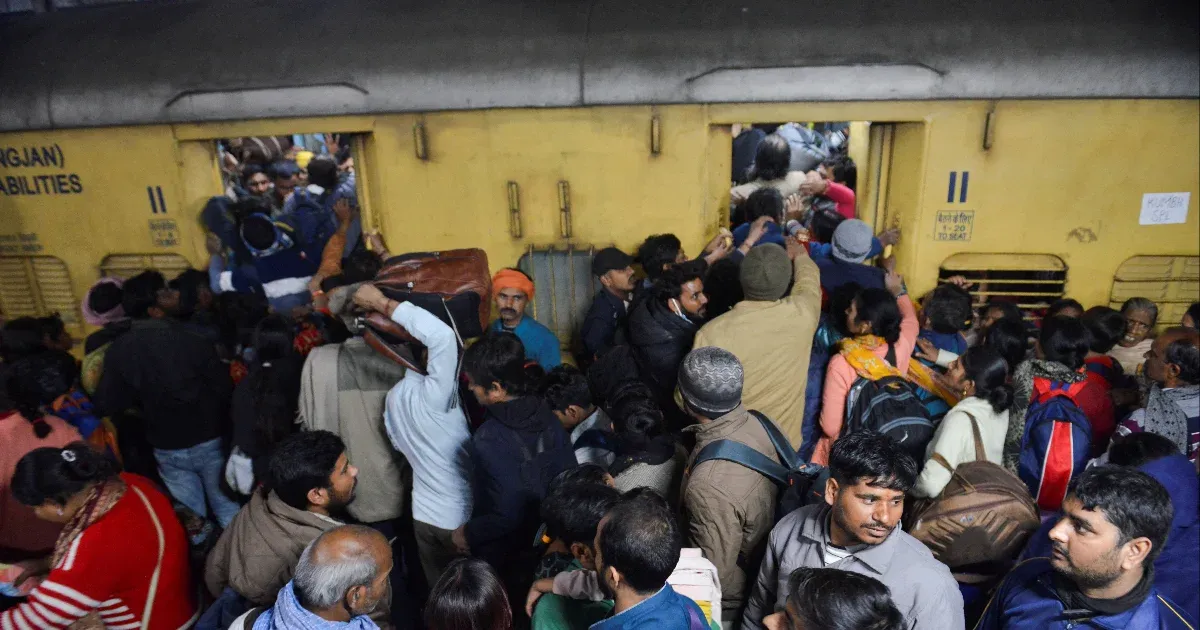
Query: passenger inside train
[315, 433]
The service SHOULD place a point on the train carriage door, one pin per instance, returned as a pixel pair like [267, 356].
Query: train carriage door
[892, 193]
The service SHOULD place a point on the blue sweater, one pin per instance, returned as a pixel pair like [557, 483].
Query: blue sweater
[541, 344]
[665, 610]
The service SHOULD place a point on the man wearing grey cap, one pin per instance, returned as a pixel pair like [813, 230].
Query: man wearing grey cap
[728, 509]
[851, 246]
[606, 316]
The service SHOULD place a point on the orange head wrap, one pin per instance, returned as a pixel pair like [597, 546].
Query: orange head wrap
[512, 279]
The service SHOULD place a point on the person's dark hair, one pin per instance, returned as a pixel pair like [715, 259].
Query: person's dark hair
[656, 251]
[250, 169]
[669, 285]
[1141, 304]
[468, 596]
[1183, 354]
[360, 266]
[1064, 340]
[572, 512]
[878, 308]
[51, 326]
[21, 337]
[641, 540]
[50, 474]
[274, 379]
[764, 202]
[1136, 503]
[843, 170]
[141, 293]
[873, 458]
[1193, 311]
[840, 300]
[564, 386]
[832, 599]
[988, 369]
[238, 314]
[723, 286]
[105, 297]
[637, 418]
[1105, 328]
[1062, 304]
[1137, 449]
[579, 474]
[322, 171]
[500, 358]
[190, 283]
[301, 462]
[1008, 310]
[282, 169]
[824, 223]
[36, 381]
[1010, 338]
[772, 158]
[258, 231]
[948, 309]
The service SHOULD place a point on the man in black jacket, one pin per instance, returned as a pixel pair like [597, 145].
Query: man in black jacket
[177, 382]
[662, 328]
[515, 453]
[606, 317]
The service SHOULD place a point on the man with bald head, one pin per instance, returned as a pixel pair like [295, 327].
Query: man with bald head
[342, 577]
[1173, 404]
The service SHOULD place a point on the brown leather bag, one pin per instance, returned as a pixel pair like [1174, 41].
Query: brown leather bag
[980, 521]
[454, 286]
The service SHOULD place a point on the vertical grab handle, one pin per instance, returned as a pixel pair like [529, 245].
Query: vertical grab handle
[514, 210]
[564, 208]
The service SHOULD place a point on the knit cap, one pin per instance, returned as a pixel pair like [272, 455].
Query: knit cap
[852, 241]
[766, 272]
[710, 381]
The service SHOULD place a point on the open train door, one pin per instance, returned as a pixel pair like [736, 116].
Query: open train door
[890, 188]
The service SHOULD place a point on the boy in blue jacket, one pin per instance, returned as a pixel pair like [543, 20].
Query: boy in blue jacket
[1100, 573]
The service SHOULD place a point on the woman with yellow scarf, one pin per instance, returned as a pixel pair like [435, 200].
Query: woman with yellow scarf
[876, 320]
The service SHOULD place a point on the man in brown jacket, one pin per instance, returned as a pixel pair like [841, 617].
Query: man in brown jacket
[771, 331]
[728, 509]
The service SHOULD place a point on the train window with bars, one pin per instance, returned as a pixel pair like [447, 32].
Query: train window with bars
[564, 288]
[1171, 282]
[126, 266]
[1031, 281]
[37, 286]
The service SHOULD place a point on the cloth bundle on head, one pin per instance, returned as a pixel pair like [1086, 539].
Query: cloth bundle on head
[710, 381]
[766, 272]
[96, 318]
[303, 158]
[852, 241]
[512, 279]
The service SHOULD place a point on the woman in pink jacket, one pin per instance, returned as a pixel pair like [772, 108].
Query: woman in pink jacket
[876, 319]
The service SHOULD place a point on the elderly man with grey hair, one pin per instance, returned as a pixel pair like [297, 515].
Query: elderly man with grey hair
[342, 577]
[728, 509]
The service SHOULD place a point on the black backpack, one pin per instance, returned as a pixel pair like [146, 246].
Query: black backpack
[800, 484]
[890, 406]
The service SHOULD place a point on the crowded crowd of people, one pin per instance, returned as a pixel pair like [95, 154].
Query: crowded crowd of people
[771, 434]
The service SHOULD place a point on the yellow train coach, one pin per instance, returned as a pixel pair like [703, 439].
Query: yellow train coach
[1054, 146]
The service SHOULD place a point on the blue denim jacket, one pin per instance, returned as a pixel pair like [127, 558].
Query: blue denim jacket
[665, 610]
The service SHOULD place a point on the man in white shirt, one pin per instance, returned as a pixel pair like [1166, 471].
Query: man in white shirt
[425, 421]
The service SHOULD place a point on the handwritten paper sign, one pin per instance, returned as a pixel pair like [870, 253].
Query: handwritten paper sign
[1164, 208]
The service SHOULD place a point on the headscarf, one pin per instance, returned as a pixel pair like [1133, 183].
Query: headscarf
[512, 279]
[1165, 416]
[100, 499]
[100, 319]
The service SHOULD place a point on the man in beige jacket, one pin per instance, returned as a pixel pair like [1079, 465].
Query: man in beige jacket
[771, 331]
[728, 509]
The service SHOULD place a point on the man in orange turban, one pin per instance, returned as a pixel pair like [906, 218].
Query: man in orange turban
[512, 290]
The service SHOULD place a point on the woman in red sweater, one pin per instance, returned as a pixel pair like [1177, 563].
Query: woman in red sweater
[122, 557]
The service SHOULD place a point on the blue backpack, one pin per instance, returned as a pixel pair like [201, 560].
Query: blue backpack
[800, 484]
[1055, 444]
[312, 222]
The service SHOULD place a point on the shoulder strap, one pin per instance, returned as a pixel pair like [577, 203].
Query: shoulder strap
[937, 457]
[980, 453]
[739, 453]
[890, 357]
[783, 446]
[253, 616]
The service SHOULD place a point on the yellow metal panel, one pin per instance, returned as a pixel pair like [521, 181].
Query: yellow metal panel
[903, 196]
[274, 127]
[1005, 262]
[126, 266]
